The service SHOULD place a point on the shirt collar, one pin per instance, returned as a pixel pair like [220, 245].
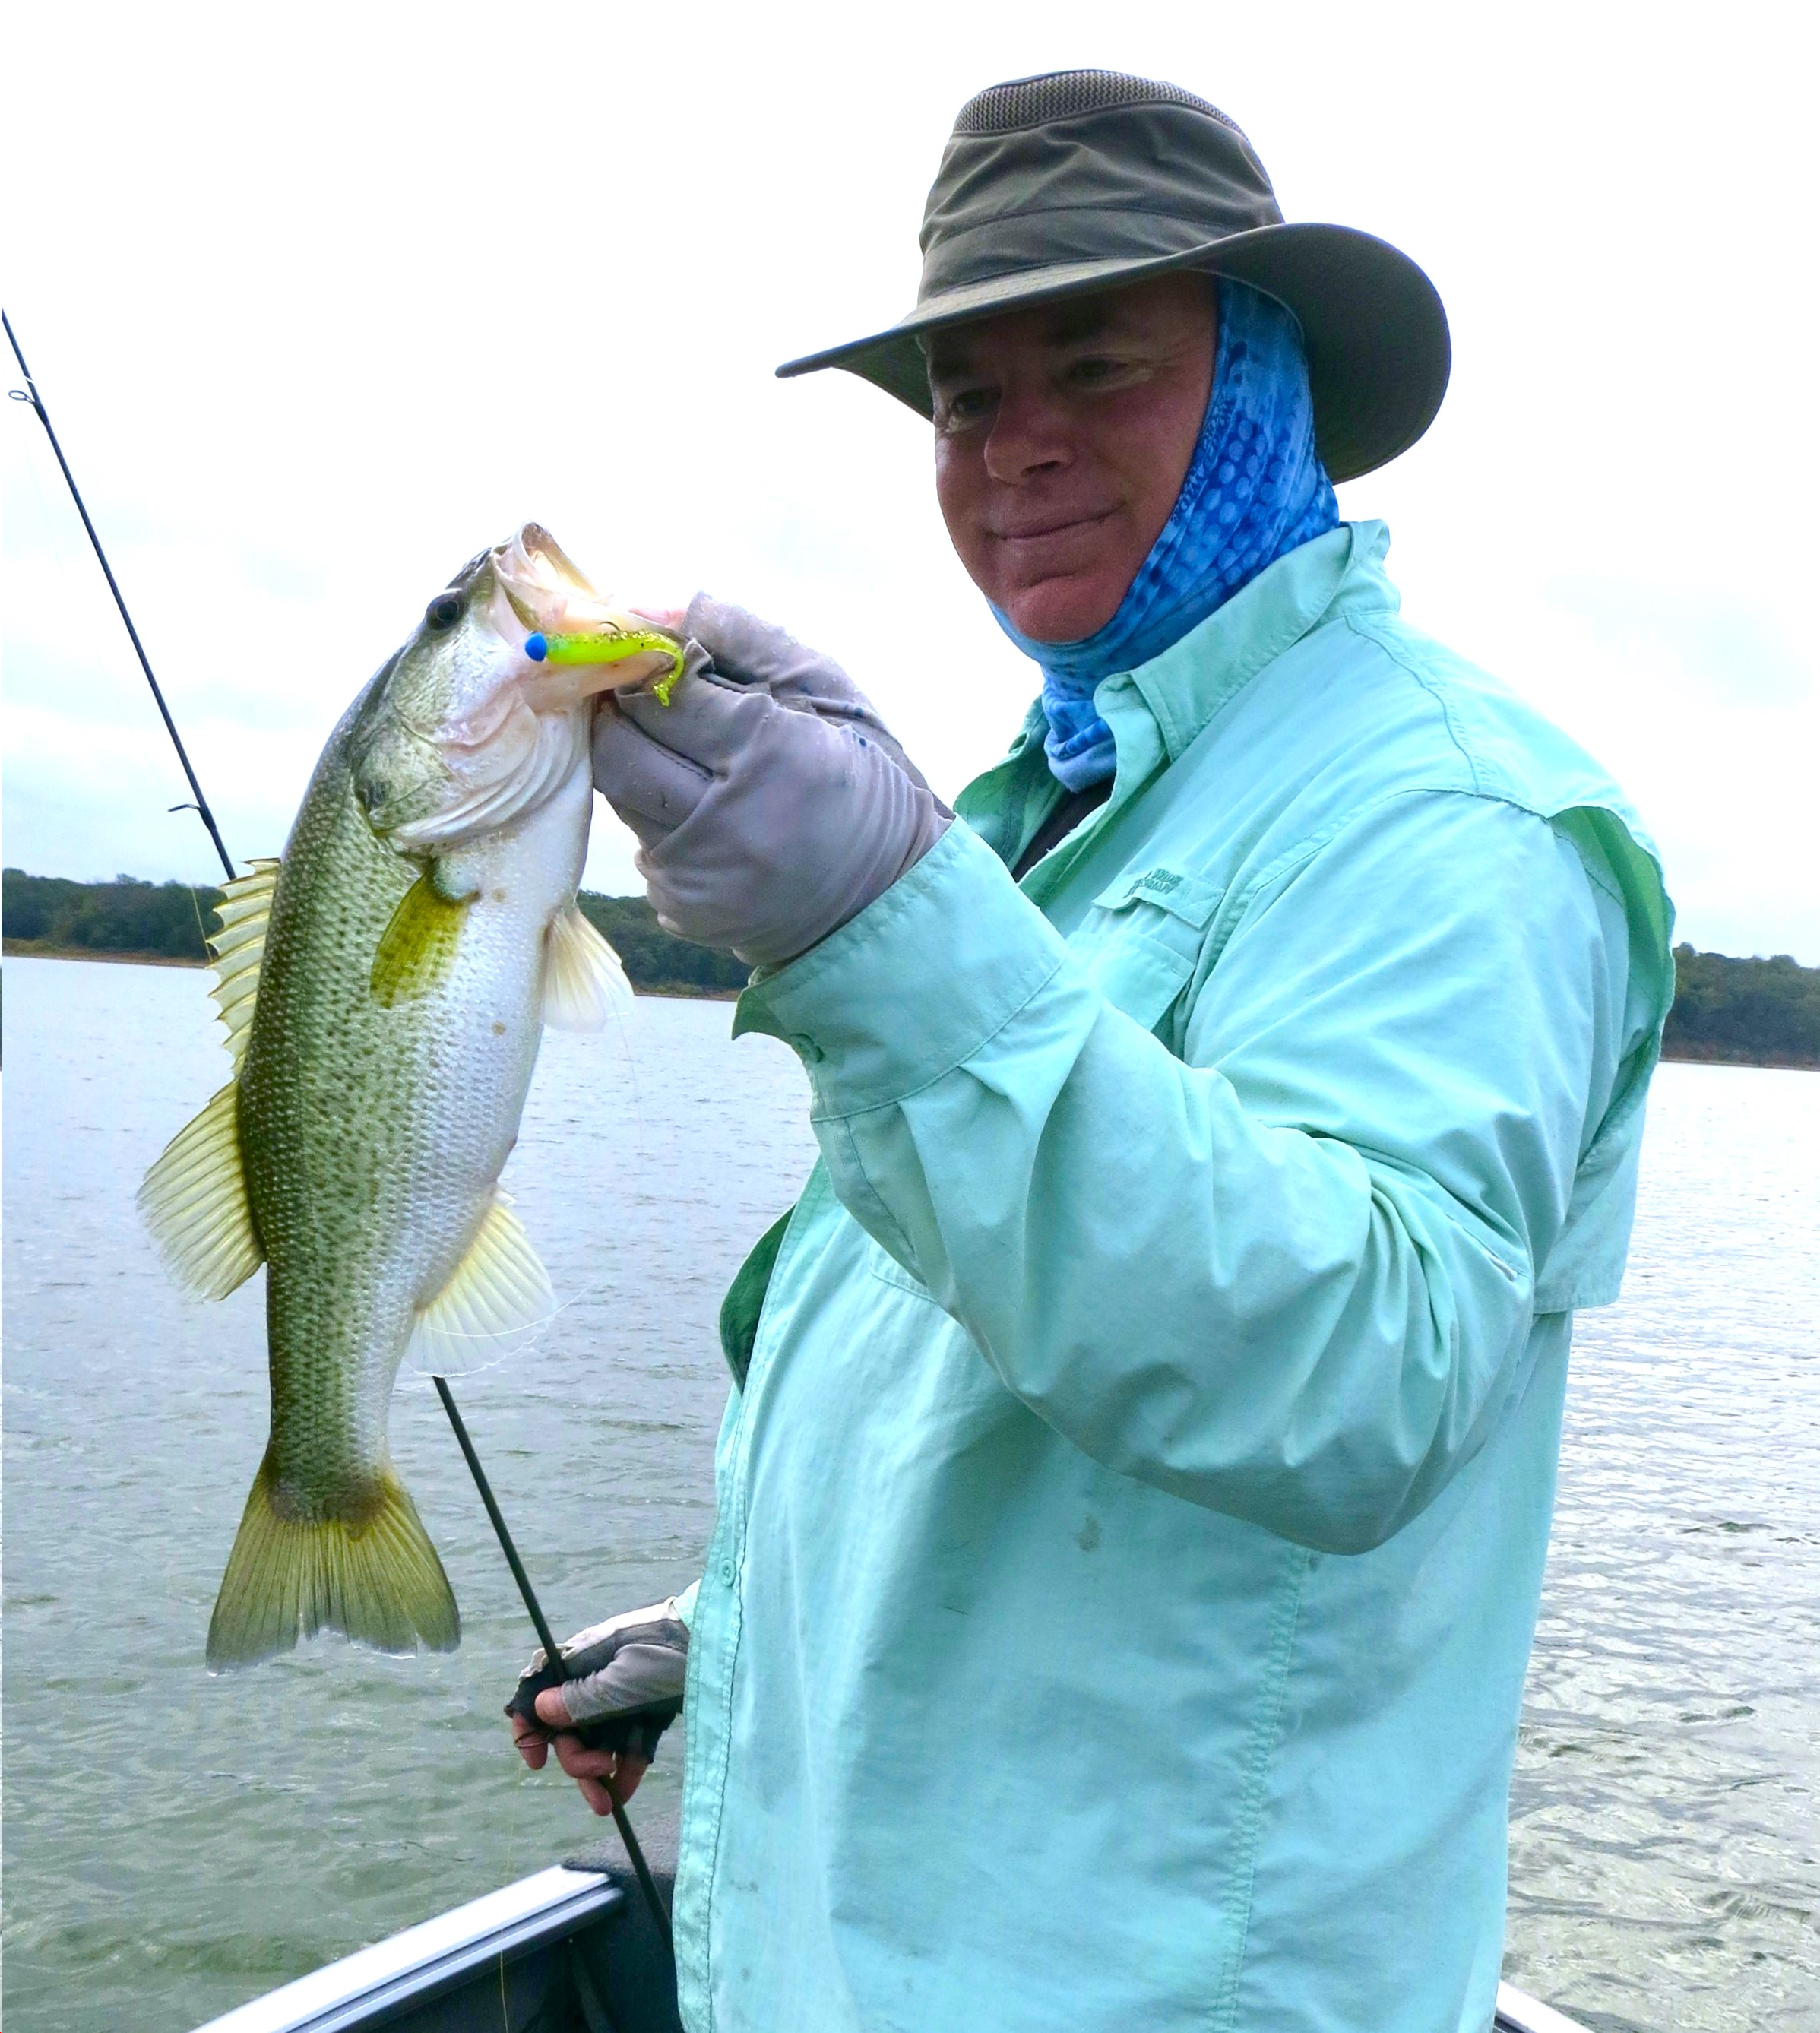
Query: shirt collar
[1187, 685]
[1158, 710]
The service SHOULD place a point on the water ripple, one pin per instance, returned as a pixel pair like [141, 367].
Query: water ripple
[1664, 1843]
[175, 1844]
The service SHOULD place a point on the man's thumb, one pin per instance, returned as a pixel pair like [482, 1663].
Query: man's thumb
[551, 1709]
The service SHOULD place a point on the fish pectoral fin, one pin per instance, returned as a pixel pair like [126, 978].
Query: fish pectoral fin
[417, 947]
[238, 948]
[583, 981]
[499, 1290]
[193, 1203]
[370, 1571]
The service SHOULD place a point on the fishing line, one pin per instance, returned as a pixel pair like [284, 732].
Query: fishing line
[514, 1816]
[196, 905]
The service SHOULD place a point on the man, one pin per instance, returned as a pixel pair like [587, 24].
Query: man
[1133, 1498]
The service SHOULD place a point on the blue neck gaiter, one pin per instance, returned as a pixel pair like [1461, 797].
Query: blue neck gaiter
[1254, 489]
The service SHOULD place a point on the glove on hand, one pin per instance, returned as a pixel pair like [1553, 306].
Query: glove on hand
[626, 1680]
[771, 802]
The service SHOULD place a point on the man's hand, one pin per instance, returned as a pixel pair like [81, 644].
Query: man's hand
[593, 1772]
[632, 1665]
[771, 802]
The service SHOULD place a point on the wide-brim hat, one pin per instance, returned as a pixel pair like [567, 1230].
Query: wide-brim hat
[1078, 181]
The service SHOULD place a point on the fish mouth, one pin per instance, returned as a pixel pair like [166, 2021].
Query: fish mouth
[542, 583]
[549, 594]
[486, 729]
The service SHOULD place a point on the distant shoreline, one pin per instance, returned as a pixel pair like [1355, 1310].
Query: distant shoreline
[33, 949]
[1783, 1063]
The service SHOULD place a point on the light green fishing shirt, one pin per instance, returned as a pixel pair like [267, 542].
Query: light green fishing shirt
[1133, 1509]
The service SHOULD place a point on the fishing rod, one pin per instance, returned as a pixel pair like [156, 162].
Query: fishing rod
[29, 394]
[552, 1654]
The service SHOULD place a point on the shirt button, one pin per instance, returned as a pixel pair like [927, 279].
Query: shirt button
[728, 1571]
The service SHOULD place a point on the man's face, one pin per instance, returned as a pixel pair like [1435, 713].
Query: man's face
[1062, 437]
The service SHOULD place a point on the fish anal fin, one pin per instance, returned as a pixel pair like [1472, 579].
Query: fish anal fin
[238, 947]
[371, 1573]
[499, 1290]
[417, 947]
[193, 1203]
[583, 981]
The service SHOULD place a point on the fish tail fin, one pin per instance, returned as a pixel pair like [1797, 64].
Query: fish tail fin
[373, 1574]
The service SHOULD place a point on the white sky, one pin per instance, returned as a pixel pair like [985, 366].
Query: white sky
[322, 299]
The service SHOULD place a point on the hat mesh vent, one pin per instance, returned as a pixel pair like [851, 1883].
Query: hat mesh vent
[1061, 95]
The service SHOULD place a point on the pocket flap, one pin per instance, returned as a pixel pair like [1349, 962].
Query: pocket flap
[1183, 896]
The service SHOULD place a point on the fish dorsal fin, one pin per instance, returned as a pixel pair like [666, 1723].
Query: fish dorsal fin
[499, 1290]
[193, 1202]
[239, 947]
[583, 981]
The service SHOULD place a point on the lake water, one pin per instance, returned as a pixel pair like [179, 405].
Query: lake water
[176, 1843]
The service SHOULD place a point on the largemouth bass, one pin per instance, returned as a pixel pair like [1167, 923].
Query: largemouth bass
[385, 987]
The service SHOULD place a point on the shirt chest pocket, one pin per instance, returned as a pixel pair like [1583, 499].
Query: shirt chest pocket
[1141, 941]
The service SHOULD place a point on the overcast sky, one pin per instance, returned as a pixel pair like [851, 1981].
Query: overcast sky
[323, 299]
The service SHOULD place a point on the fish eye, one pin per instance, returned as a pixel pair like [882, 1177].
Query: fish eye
[444, 611]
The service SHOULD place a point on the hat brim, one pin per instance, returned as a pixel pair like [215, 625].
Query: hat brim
[1379, 353]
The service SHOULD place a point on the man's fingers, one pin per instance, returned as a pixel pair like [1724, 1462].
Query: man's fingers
[646, 782]
[530, 1742]
[645, 1670]
[624, 1783]
[594, 1792]
[755, 653]
[593, 1771]
[706, 723]
[744, 647]
[631, 1771]
[552, 1709]
[580, 1762]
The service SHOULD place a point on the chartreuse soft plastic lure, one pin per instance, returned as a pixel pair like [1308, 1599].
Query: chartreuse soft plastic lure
[610, 646]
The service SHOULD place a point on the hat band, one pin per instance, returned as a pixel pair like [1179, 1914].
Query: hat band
[1063, 235]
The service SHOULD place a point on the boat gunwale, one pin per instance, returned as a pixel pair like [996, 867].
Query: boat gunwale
[1518, 2013]
[417, 1964]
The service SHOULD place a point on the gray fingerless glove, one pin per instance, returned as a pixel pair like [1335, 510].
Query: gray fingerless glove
[771, 802]
[637, 1661]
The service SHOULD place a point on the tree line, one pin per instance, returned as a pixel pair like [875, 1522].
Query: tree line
[128, 920]
[1762, 1013]
[1748, 1011]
